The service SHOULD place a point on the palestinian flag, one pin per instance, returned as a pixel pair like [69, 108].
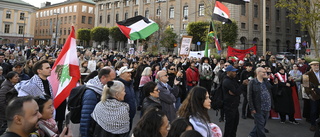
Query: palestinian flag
[221, 13]
[137, 27]
[237, 2]
[65, 71]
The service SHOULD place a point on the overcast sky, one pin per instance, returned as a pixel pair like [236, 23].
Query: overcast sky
[37, 3]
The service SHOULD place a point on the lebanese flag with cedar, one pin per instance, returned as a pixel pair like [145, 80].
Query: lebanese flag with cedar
[65, 71]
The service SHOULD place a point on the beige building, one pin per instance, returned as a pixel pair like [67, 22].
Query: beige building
[57, 19]
[281, 32]
[16, 22]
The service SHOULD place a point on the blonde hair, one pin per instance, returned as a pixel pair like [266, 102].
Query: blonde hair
[146, 72]
[111, 89]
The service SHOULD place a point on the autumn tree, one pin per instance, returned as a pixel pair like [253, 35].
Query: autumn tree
[306, 13]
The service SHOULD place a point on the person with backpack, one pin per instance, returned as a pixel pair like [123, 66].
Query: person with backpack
[91, 97]
[231, 100]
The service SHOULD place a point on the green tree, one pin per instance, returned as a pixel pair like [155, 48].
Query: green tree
[227, 33]
[117, 35]
[306, 13]
[100, 34]
[84, 35]
[169, 39]
[198, 30]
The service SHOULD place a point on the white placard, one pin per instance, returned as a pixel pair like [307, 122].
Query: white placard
[185, 45]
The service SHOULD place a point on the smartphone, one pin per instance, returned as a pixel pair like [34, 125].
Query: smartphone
[66, 123]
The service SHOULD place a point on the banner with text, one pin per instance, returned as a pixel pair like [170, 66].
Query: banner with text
[240, 54]
[185, 45]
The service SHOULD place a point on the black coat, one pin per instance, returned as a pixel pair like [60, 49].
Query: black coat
[283, 98]
[229, 84]
[6, 86]
[149, 103]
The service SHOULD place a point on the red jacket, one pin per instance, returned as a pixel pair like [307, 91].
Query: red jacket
[192, 75]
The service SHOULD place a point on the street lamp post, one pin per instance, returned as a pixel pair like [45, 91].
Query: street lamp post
[24, 25]
[55, 37]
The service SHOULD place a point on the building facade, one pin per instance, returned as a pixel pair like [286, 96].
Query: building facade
[16, 22]
[53, 22]
[281, 31]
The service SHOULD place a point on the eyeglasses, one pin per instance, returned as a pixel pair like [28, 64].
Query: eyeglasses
[172, 69]
[263, 72]
[165, 75]
[157, 90]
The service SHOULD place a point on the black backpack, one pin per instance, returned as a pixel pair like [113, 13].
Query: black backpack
[74, 103]
[217, 98]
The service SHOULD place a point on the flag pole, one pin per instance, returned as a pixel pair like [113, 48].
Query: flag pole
[211, 24]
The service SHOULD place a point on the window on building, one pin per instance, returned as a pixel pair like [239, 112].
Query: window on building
[243, 9]
[267, 13]
[21, 16]
[267, 28]
[65, 31]
[171, 12]
[8, 15]
[127, 2]
[136, 13]
[60, 31]
[90, 10]
[70, 18]
[68, 31]
[83, 19]
[297, 31]
[288, 30]
[89, 20]
[36, 32]
[65, 20]
[61, 20]
[277, 29]
[108, 18]
[201, 9]
[278, 15]
[243, 25]
[40, 23]
[147, 14]
[66, 9]
[74, 18]
[158, 12]
[75, 8]
[101, 6]
[70, 8]
[255, 27]
[108, 5]
[185, 11]
[84, 8]
[255, 11]
[147, 1]
[36, 22]
[47, 32]
[62, 10]
[184, 26]
[54, 21]
[117, 17]
[136, 2]
[117, 4]
[126, 15]
[20, 31]
[100, 19]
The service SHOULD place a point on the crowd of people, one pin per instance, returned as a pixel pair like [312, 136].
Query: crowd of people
[171, 94]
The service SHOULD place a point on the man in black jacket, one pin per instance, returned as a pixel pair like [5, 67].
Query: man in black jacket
[246, 74]
[231, 99]
[260, 101]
